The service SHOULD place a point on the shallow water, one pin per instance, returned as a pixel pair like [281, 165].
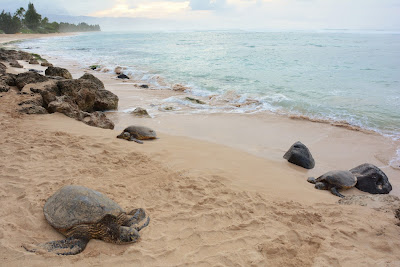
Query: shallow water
[348, 77]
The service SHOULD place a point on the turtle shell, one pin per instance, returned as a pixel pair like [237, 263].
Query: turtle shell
[141, 132]
[73, 205]
[343, 179]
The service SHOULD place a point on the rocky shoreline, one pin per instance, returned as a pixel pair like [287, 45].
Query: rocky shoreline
[83, 99]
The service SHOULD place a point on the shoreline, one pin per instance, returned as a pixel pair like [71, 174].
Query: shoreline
[335, 146]
[10, 38]
[216, 187]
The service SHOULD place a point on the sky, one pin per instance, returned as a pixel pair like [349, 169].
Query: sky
[237, 14]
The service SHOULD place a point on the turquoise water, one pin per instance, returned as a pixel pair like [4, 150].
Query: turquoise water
[352, 77]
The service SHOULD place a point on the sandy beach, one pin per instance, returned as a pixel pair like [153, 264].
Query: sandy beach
[216, 186]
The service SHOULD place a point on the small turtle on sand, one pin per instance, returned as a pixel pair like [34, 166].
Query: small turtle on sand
[137, 133]
[334, 181]
[81, 214]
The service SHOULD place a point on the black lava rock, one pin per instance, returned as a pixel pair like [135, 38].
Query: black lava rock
[299, 154]
[371, 179]
[123, 76]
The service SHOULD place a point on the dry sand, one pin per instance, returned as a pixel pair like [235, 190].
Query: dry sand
[223, 198]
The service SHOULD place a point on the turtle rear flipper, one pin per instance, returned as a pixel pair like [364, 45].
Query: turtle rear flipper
[335, 191]
[69, 246]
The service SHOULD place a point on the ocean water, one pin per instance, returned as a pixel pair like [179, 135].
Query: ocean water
[346, 77]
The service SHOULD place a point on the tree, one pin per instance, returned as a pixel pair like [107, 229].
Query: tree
[20, 13]
[32, 18]
[8, 23]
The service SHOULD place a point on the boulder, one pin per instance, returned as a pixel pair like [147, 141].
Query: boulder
[15, 64]
[4, 86]
[140, 112]
[46, 64]
[25, 78]
[105, 100]
[34, 61]
[56, 71]
[64, 105]
[9, 79]
[97, 119]
[3, 69]
[179, 87]
[123, 76]
[33, 109]
[93, 79]
[118, 70]
[87, 95]
[299, 154]
[82, 92]
[371, 179]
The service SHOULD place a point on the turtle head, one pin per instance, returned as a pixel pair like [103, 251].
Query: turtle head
[321, 186]
[124, 135]
[128, 234]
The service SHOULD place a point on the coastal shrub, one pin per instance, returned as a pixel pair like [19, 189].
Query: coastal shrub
[2, 32]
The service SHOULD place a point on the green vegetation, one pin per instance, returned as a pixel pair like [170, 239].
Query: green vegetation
[93, 67]
[37, 56]
[30, 21]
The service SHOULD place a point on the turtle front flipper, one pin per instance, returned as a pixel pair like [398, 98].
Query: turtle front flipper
[311, 180]
[138, 215]
[132, 138]
[69, 246]
[335, 191]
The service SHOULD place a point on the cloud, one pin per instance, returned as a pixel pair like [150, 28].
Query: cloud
[207, 4]
[149, 9]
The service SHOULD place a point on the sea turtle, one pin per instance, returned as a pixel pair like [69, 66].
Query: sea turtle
[81, 214]
[334, 181]
[137, 133]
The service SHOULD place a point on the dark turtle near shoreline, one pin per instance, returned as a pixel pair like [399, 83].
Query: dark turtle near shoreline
[334, 181]
[81, 214]
[137, 133]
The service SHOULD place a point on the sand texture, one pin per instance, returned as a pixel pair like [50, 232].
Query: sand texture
[213, 201]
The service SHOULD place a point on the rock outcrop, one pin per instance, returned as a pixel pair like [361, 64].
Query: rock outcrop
[83, 99]
[57, 71]
[299, 154]
[371, 179]
[25, 78]
[93, 79]
[87, 95]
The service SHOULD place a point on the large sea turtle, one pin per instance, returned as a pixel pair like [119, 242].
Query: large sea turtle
[137, 133]
[334, 181]
[81, 214]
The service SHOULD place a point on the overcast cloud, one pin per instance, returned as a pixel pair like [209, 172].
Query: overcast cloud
[244, 14]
